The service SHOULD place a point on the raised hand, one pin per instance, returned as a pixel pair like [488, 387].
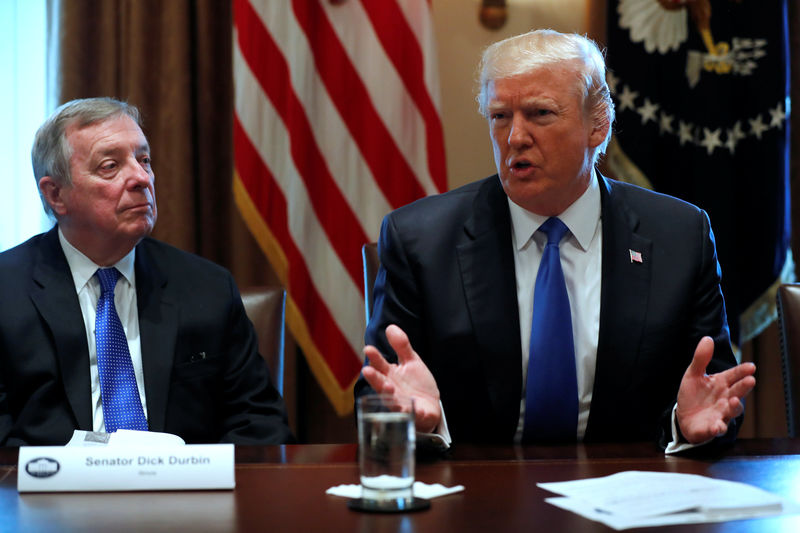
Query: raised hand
[707, 403]
[409, 378]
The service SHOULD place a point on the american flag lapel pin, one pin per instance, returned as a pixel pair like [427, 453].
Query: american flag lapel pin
[636, 257]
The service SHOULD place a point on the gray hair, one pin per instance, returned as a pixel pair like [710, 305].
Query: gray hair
[51, 151]
[525, 53]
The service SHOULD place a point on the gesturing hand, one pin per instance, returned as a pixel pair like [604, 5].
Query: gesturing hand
[409, 378]
[707, 403]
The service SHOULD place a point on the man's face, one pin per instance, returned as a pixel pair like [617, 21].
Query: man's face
[543, 141]
[111, 201]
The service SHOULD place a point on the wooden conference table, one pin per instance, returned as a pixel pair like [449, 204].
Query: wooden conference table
[282, 488]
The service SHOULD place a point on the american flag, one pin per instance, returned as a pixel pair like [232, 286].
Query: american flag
[336, 123]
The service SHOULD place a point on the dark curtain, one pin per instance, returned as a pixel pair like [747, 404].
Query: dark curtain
[173, 60]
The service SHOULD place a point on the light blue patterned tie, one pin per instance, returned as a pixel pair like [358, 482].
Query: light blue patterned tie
[551, 394]
[122, 407]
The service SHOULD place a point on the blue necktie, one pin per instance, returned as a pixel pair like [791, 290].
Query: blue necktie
[551, 397]
[122, 407]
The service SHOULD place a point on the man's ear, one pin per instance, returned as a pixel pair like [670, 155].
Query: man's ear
[598, 133]
[52, 193]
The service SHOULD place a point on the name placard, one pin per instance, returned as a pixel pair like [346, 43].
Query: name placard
[125, 468]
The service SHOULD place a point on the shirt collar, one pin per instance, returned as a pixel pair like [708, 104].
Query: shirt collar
[581, 217]
[83, 268]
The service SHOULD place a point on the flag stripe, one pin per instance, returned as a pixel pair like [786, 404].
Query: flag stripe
[420, 20]
[340, 397]
[266, 131]
[393, 31]
[344, 158]
[387, 90]
[389, 168]
[254, 175]
[270, 68]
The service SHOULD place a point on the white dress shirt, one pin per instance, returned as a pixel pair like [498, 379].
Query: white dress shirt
[581, 256]
[581, 261]
[88, 288]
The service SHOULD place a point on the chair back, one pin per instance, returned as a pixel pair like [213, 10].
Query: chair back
[789, 329]
[369, 254]
[266, 309]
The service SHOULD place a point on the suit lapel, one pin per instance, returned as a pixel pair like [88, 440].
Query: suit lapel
[158, 330]
[624, 297]
[486, 263]
[56, 300]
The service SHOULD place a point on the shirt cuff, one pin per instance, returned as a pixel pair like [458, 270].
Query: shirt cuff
[678, 444]
[441, 434]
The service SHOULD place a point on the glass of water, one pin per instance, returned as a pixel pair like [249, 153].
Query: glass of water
[387, 440]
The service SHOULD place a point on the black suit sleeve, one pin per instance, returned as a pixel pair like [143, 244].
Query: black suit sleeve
[708, 318]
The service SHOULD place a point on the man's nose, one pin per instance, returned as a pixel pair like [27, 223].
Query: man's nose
[519, 134]
[138, 175]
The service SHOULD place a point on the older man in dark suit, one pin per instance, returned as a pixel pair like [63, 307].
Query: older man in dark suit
[503, 332]
[103, 327]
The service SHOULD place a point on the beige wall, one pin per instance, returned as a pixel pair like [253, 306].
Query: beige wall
[460, 39]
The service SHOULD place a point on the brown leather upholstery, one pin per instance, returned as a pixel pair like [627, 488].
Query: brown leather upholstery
[369, 254]
[265, 306]
[789, 327]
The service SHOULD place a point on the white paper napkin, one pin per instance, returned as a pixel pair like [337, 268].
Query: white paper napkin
[421, 490]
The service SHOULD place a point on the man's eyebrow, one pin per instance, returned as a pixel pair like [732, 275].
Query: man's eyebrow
[496, 104]
[538, 100]
[529, 101]
[113, 150]
[117, 152]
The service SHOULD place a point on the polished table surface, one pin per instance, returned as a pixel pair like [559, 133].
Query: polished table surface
[282, 488]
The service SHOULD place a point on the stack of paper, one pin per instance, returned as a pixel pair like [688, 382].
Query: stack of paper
[639, 499]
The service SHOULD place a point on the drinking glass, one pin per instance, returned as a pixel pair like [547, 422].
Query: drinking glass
[387, 441]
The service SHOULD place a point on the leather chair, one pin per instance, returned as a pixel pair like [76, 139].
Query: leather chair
[789, 328]
[266, 309]
[369, 255]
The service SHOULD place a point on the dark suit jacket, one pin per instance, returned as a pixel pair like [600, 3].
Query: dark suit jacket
[447, 279]
[204, 379]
